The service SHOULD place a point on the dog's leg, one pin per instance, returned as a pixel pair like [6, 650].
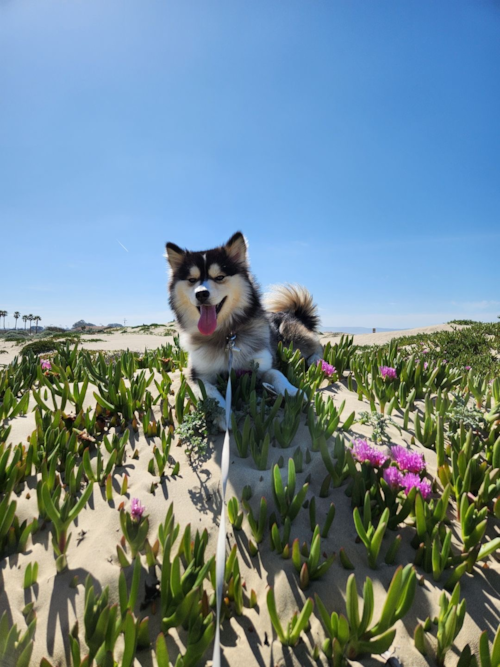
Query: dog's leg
[279, 382]
[271, 375]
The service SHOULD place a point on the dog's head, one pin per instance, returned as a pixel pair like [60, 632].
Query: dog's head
[208, 289]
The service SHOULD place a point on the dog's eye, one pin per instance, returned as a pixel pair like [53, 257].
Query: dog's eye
[219, 279]
[192, 280]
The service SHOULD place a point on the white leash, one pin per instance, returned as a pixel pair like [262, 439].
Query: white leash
[220, 557]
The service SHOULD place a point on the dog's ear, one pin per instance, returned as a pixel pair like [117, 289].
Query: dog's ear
[236, 248]
[175, 256]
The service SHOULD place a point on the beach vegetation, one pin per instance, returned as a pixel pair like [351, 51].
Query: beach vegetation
[427, 467]
[309, 566]
[449, 623]
[287, 502]
[257, 523]
[297, 624]
[16, 648]
[353, 634]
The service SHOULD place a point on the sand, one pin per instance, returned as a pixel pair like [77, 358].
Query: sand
[248, 639]
[386, 336]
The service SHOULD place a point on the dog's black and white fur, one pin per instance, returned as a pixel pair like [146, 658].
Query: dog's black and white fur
[213, 296]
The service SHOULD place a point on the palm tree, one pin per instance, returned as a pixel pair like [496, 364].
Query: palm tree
[30, 319]
[3, 313]
[37, 319]
[25, 319]
[17, 315]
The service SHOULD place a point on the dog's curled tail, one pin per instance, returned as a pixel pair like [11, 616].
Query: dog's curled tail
[293, 299]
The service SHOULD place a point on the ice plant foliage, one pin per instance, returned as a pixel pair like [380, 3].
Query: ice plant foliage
[364, 453]
[388, 373]
[386, 486]
[407, 461]
[327, 369]
[137, 509]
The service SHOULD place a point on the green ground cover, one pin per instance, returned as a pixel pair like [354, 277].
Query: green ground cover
[394, 498]
[476, 345]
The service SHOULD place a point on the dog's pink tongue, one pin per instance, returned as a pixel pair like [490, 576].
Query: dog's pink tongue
[207, 323]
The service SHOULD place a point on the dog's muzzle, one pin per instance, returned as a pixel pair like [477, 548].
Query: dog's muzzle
[202, 294]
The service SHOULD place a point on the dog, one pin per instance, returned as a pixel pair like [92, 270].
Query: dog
[214, 297]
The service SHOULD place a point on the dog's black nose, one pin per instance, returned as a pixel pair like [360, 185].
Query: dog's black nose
[202, 295]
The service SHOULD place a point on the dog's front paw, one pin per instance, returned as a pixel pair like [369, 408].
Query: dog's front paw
[279, 382]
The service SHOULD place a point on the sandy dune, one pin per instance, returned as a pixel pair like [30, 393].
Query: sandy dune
[248, 639]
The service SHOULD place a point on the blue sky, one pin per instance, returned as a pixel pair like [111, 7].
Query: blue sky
[356, 144]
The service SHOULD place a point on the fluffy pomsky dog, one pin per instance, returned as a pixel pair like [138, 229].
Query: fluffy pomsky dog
[214, 296]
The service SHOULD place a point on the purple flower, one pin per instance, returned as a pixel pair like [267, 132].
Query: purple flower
[406, 460]
[240, 372]
[445, 361]
[137, 509]
[410, 481]
[388, 373]
[327, 369]
[393, 477]
[467, 368]
[45, 364]
[425, 365]
[425, 351]
[366, 454]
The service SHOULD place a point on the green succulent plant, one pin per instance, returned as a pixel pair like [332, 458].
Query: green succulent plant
[354, 634]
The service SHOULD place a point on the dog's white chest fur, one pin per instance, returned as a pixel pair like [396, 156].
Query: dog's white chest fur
[210, 362]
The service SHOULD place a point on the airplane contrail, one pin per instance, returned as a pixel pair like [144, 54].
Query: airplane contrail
[122, 245]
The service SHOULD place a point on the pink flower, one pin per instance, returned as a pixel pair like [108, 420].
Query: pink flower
[425, 351]
[410, 481]
[425, 365]
[45, 364]
[327, 369]
[445, 361]
[366, 454]
[137, 509]
[393, 477]
[388, 373]
[406, 460]
[467, 368]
